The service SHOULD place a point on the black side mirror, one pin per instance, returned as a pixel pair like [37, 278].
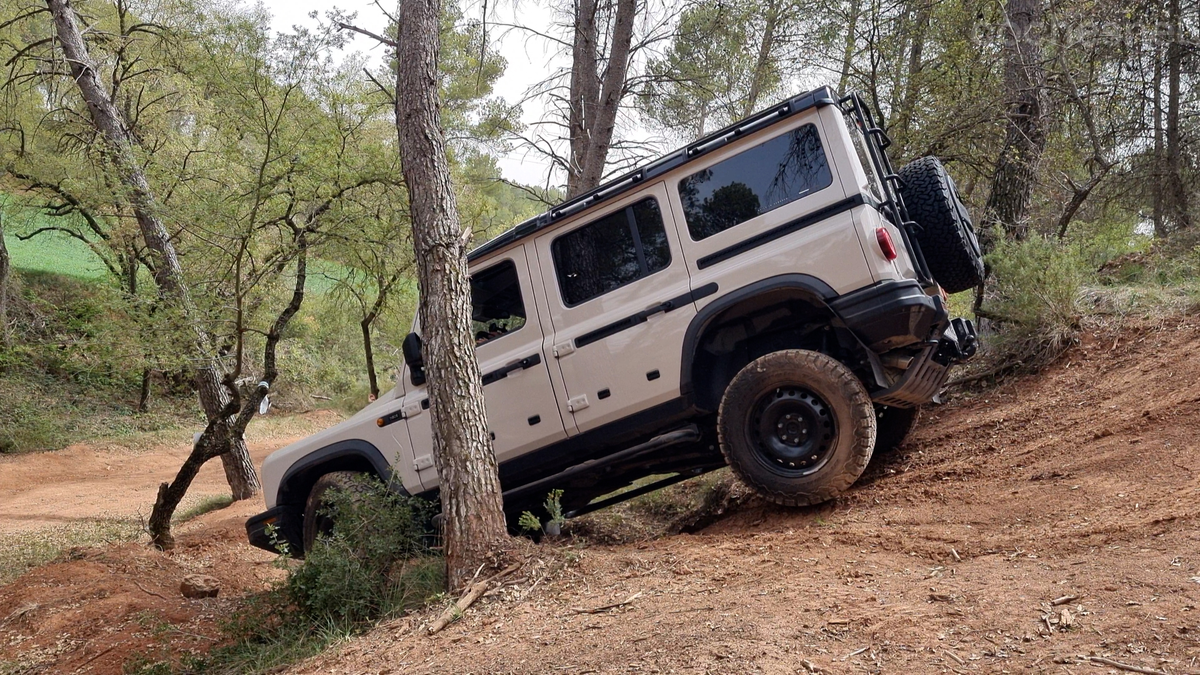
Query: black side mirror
[412, 357]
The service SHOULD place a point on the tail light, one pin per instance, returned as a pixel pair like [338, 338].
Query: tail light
[885, 243]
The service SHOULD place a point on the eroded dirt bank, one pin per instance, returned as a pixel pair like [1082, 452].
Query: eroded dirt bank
[949, 555]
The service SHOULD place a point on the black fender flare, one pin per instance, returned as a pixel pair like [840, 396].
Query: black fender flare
[813, 288]
[347, 455]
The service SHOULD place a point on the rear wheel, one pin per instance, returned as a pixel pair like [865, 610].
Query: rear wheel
[892, 426]
[947, 237]
[317, 519]
[797, 426]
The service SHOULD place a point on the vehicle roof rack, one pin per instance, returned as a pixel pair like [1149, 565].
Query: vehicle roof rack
[669, 162]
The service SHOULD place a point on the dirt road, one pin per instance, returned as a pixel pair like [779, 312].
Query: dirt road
[87, 482]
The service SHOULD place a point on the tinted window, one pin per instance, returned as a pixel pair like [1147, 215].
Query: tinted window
[618, 249]
[496, 304]
[753, 182]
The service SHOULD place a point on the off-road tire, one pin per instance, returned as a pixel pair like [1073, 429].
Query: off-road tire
[892, 426]
[849, 411]
[947, 236]
[316, 522]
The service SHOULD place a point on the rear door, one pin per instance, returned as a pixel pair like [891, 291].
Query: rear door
[522, 410]
[619, 297]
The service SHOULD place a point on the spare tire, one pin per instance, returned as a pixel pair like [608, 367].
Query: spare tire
[947, 237]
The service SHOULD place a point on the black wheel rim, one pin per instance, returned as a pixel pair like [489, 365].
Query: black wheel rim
[792, 430]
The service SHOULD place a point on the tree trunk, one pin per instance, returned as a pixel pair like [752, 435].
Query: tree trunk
[848, 47]
[763, 60]
[1157, 171]
[594, 98]
[912, 85]
[223, 425]
[1177, 189]
[472, 509]
[5, 339]
[369, 353]
[1024, 86]
[168, 274]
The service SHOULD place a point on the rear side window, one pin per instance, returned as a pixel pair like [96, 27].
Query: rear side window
[496, 305]
[755, 181]
[618, 249]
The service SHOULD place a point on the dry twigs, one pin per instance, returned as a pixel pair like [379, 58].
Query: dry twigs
[476, 591]
[1124, 666]
[605, 608]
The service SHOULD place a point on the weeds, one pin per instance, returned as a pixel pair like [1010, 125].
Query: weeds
[204, 505]
[377, 563]
[22, 551]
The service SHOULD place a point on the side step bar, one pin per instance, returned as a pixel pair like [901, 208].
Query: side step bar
[688, 434]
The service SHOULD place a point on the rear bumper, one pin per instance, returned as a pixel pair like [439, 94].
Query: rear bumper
[891, 314]
[273, 527]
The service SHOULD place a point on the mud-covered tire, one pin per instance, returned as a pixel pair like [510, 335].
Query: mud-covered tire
[947, 236]
[832, 420]
[316, 521]
[892, 426]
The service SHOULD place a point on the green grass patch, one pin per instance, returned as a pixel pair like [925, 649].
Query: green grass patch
[22, 551]
[205, 504]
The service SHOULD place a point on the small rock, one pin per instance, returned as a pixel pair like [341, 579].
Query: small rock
[199, 586]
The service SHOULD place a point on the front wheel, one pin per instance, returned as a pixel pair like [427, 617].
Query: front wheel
[797, 426]
[318, 520]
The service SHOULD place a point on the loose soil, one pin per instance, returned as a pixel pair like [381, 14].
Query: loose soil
[1025, 527]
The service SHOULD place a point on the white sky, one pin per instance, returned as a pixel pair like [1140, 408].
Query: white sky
[529, 60]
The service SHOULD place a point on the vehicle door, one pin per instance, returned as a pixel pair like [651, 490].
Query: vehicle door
[522, 410]
[618, 295]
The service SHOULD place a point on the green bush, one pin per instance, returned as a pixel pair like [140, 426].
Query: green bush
[1034, 300]
[377, 561]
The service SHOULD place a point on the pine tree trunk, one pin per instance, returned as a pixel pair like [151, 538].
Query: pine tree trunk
[595, 98]
[475, 530]
[168, 274]
[1157, 170]
[1024, 86]
[5, 269]
[1177, 189]
[848, 47]
[762, 62]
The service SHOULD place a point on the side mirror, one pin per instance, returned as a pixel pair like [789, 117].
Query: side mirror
[412, 357]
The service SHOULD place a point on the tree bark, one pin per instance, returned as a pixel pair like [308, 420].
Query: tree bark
[1177, 189]
[596, 98]
[472, 509]
[1024, 84]
[912, 85]
[5, 269]
[763, 60]
[224, 425]
[168, 274]
[372, 379]
[1156, 175]
[848, 47]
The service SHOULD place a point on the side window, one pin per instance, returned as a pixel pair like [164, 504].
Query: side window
[496, 305]
[754, 181]
[618, 249]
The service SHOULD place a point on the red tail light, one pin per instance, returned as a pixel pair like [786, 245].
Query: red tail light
[885, 243]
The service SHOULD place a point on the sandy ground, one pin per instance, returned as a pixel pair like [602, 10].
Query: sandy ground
[1032, 527]
[110, 481]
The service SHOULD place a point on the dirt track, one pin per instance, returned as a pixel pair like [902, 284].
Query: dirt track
[945, 557]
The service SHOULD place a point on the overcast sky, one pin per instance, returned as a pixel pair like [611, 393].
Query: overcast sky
[529, 61]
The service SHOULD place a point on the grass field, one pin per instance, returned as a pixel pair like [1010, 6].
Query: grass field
[49, 251]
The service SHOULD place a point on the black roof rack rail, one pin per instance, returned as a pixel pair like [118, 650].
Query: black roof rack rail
[669, 162]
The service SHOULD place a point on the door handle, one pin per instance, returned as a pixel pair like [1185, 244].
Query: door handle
[520, 364]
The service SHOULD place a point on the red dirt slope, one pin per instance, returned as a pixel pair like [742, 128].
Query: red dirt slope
[953, 554]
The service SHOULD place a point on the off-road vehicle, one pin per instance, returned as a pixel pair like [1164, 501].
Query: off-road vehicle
[770, 297]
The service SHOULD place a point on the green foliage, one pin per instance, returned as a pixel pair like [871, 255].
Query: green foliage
[529, 522]
[553, 506]
[376, 562]
[1035, 298]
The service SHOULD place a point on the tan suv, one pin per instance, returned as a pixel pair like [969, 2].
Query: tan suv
[758, 298]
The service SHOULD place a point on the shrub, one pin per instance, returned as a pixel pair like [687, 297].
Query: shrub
[1034, 301]
[377, 561]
